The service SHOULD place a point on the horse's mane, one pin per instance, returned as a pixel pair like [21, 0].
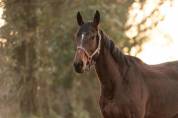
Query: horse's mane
[116, 53]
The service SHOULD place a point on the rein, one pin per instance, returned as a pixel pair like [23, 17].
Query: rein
[97, 51]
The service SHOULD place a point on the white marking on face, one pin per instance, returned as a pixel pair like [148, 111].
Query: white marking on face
[83, 36]
[81, 45]
[82, 39]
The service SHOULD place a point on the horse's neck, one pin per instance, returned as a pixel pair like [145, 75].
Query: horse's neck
[108, 69]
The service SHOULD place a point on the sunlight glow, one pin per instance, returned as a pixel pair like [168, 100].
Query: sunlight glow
[1, 20]
[163, 43]
[2, 41]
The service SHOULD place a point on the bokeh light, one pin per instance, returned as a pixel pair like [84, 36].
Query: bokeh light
[163, 43]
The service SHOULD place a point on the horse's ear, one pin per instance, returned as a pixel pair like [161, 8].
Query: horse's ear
[96, 19]
[79, 19]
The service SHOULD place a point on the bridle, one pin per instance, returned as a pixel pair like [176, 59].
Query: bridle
[97, 51]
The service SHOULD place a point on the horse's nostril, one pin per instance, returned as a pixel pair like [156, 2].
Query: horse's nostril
[78, 64]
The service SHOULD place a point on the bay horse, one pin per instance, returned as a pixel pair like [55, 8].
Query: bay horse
[129, 87]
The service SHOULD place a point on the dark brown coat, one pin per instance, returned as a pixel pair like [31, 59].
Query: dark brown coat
[133, 89]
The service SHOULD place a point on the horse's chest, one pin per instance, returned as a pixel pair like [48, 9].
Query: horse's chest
[111, 109]
[108, 108]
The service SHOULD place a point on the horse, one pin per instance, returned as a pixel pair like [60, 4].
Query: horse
[130, 88]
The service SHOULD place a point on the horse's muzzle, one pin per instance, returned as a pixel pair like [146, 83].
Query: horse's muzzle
[78, 66]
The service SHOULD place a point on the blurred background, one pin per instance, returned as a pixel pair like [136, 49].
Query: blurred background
[37, 79]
